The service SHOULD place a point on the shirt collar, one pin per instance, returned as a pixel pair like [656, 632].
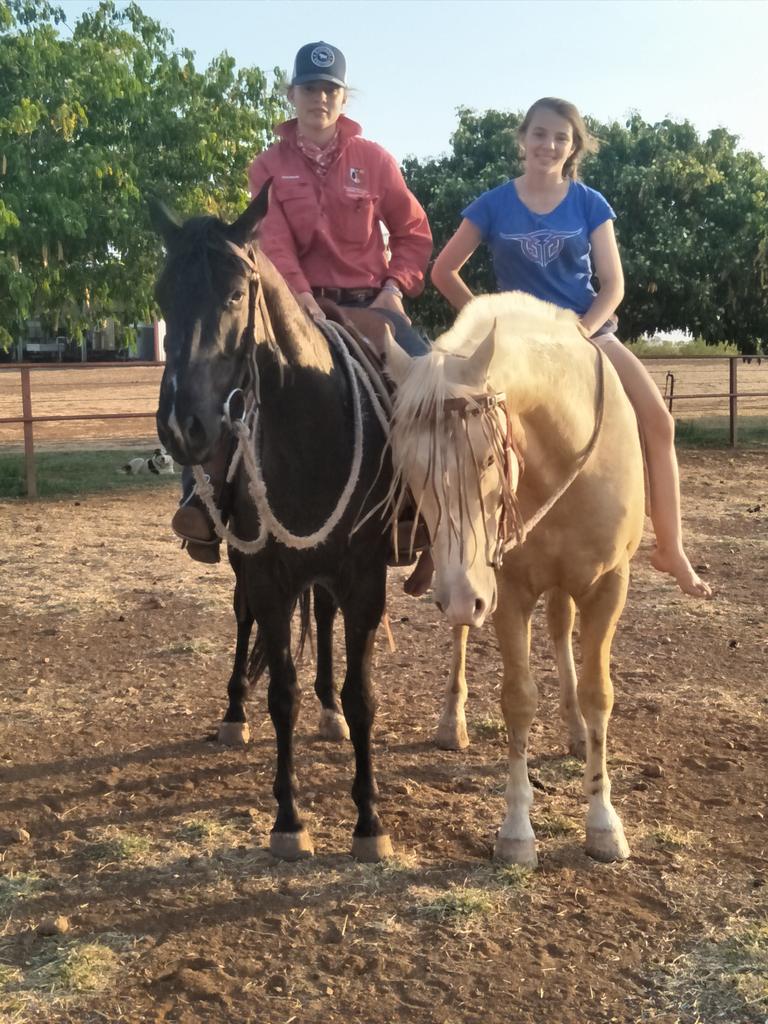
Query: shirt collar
[345, 127]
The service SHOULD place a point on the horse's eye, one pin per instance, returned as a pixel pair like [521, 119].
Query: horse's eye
[235, 297]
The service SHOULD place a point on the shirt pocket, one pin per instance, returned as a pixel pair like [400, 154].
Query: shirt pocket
[301, 211]
[354, 218]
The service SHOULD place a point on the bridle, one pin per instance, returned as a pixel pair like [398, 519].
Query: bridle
[506, 454]
[241, 415]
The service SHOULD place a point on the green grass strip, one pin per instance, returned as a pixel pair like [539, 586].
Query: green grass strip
[63, 474]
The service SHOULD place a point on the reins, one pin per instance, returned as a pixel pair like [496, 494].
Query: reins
[513, 528]
[242, 416]
[584, 455]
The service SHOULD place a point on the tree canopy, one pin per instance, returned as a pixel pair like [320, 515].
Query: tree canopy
[93, 119]
[692, 220]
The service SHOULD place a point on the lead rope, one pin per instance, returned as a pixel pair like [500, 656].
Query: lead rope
[247, 433]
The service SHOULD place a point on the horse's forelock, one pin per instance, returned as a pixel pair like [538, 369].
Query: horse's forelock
[198, 238]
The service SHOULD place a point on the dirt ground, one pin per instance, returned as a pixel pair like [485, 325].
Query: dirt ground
[119, 814]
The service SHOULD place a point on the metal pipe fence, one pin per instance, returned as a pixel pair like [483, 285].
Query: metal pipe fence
[679, 378]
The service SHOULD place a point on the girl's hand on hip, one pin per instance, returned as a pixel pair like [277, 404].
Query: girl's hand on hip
[307, 302]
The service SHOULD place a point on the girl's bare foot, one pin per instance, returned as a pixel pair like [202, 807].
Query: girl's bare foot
[677, 565]
[419, 581]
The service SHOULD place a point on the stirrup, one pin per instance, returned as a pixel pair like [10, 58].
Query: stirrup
[208, 552]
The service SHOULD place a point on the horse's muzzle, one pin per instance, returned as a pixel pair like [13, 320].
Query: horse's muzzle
[190, 438]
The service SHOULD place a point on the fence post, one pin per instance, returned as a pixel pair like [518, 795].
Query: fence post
[30, 475]
[733, 400]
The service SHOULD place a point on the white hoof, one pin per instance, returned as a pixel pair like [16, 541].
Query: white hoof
[291, 845]
[333, 726]
[607, 845]
[451, 734]
[234, 734]
[516, 851]
[371, 849]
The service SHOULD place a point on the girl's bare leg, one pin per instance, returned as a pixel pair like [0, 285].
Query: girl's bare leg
[658, 430]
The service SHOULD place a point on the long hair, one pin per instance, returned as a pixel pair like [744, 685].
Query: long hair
[583, 141]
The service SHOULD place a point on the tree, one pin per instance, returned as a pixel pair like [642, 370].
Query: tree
[692, 226]
[93, 119]
[485, 154]
[692, 220]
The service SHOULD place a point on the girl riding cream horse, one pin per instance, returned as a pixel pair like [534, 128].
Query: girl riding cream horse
[548, 233]
[513, 385]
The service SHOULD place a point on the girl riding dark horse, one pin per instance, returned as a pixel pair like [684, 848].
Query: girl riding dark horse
[311, 469]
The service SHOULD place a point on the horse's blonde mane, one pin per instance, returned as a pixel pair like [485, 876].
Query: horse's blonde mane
[536, 348]
[532, 337]
[522, 318]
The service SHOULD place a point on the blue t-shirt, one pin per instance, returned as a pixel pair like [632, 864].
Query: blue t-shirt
[544, 254]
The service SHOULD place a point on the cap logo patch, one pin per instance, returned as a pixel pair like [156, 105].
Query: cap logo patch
[322, 57]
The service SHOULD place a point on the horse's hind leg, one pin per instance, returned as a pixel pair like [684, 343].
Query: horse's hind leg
[233, 730]
[561, 613]
[451, 731]
[600, 609]
[332, 725]
[515, 842]
[362, 614]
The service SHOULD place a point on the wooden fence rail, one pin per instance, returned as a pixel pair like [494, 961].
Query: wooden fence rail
[655, 364]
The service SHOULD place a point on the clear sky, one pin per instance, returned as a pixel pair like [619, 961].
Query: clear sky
[413, 62]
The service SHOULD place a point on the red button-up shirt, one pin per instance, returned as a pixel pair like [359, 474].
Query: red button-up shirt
[326, 231]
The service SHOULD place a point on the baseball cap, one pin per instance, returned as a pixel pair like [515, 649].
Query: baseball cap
[319, 62]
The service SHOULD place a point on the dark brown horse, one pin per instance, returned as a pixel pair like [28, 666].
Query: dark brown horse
[311, 468]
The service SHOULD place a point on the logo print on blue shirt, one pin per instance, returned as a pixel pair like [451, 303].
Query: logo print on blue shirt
[542, 247]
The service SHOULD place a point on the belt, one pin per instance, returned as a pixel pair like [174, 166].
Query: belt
[350, 296]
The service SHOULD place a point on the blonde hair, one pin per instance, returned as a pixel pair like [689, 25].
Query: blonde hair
[583, 140]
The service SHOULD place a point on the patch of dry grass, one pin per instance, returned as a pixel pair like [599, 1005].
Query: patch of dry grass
[16, 887]
[207, 832]
[57, 976]
[671, 838]
[490, 728]
[116, 844]
[724, 978]
[553, 826]
[458, 904]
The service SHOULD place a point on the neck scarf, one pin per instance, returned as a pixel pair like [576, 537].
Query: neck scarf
[320, 157]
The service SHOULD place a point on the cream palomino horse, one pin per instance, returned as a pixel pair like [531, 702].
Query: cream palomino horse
[517, 440]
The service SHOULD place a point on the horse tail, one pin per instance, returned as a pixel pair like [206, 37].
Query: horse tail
[305, 622]
[257, 662]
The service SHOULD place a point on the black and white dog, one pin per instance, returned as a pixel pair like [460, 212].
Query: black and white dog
[159, 462]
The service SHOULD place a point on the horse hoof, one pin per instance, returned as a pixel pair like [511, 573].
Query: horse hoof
[371, 849]
[451, 736]
[234, 734]
[291, 845]
[516, 851]
[607, 845]
[333, 726]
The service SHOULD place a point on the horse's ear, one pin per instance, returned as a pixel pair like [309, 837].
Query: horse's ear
[247, 224]
[397, 362]
[475, 369]
[165, 223]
